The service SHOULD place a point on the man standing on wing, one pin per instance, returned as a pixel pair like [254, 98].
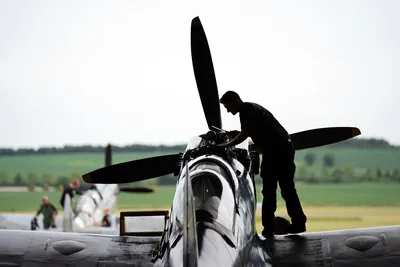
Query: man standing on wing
[277, 161]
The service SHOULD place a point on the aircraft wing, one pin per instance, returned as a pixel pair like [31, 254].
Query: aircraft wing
[361, 247]
[14, 221]
[99, 230]
[44, 248]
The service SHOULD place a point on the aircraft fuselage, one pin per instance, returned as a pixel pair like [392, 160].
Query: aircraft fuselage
[224, 202]
[91, 206]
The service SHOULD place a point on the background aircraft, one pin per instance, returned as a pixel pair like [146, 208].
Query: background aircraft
[212, 218]
[92, 204]
[89, 209]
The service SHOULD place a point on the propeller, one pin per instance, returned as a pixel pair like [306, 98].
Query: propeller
[108, 156]
[139, 170]
[319, 137]
[204, 74]
[322, 136]
[134, 171]
[137, 190]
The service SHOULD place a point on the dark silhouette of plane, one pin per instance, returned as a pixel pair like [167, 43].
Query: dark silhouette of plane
[212, 218]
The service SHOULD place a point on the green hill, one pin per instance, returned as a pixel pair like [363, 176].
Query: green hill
[63, 164]
[80, 163]
[383, 158]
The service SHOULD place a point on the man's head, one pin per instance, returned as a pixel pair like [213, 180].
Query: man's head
[231, 101]
[107, 211]
[45, 199]
[76, 183]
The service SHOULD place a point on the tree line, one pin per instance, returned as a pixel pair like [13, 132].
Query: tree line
[351, 143]
[329, 173]
[307, 172]
[47, 180]
[68, 149]
[364, 143]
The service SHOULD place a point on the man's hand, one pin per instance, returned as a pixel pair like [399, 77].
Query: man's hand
[225, 145]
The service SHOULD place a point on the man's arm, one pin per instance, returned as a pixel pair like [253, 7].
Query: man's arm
[80, 191]
[243, 135]
[40, 210]
[62, 198]
[54, 209]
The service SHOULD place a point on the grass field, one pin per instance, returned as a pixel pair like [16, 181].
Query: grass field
[326, 218]
[66, 164]
[328, 207]
[369, 194]
[386, 159]
[57, 165]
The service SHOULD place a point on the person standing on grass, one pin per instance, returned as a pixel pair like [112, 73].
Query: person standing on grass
[49, 213]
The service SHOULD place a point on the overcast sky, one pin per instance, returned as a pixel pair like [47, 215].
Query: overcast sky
[90, 72]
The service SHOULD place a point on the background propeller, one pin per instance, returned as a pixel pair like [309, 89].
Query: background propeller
[137, 189]
[204, 73]
[108, 157]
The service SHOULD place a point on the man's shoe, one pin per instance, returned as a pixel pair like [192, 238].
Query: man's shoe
[282, 226]
[297, 228]
[267, 234]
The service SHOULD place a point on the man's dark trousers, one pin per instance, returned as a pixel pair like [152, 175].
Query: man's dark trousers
[47, 223]
[278, 167]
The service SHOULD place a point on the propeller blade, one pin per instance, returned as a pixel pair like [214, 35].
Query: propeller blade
[133, 171]
[137, 190]
[319, 137]
[108, 157]
[204, 74]
[322, 136]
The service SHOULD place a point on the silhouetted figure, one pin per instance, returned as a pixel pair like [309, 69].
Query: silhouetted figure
[71, 190]
[106, 222]
[277, 160]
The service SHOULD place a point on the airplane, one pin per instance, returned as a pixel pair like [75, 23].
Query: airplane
[212, 218]
[89, 210]
[92, 204]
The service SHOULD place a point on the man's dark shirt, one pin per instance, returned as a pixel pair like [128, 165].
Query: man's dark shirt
[71, 192]
[48, 211]
[264, 129]
[106, 221]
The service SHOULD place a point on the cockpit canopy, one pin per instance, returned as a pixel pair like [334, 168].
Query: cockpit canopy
[213, 198]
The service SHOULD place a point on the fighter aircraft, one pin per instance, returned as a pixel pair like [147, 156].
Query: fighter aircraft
[89, 210]
[212, 218]
[92, 204]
